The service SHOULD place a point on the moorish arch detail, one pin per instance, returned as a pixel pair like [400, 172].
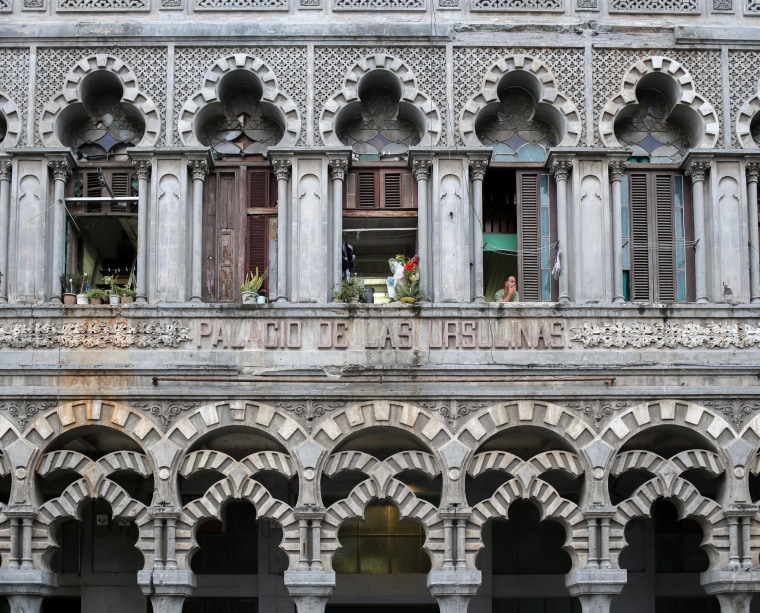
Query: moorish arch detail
[112, 74]
[221, 85]
[211, 504]
[10, 122]
[265, 418]
[551, 506]
[676, 85]
[533, 76]
[748, 122]
[388, 72]
[409, 506]
[689, 503]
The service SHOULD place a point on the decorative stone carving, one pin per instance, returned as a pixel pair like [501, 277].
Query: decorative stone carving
[518, 5]
[93, 334]
[654, 6]
[235, 5]
[587, 5]
[103, 5]
[23, 410]
[752, 6]
[668, 334]
[735, 409]
[421, 169]
[453, 410]
[599, 409]
[309, 410]
[723, 5]
[166, 410]
[364, 5]
[338, 168]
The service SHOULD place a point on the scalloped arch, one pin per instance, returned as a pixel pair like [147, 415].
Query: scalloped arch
[69, 94]
[549, 95]
[9, 110]
[208, 94]
[687, 97]
[747, 113]
[410, 94]
[713, 428]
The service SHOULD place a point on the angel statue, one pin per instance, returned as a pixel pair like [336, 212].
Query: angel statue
[397, 280]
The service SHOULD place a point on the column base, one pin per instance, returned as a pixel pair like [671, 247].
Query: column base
[596, 587]
[310, 589]
[167, 589]
[453, 589]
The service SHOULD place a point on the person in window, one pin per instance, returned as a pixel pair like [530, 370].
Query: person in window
[509, 293]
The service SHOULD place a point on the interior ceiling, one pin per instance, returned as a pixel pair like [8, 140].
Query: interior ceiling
[109, 234]
[376, 240]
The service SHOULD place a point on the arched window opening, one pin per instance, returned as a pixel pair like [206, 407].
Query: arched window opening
[3, 127]
[381, 544]
[754, 129]
[228, 546]
[664, 545]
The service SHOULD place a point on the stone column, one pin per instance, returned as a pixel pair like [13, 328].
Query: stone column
[697, 170]
[560, 169]
[421, 168]
[477, 172]
[617, 167]
[453, 589]
[61, 169]
[165, 584]
[199, 169]
[338, 169]
[142, 168]
[310, 589]
[596, 587]
[753, 170]
[5, 214]
[282, 172]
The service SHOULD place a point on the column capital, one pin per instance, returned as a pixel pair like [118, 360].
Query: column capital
[478, 169]
[199, 169]
[617, 168]
[61, 169]
[5, 170]
[142, 168]
[282, 168]
[560, 169]
[697, 170]
[752, 170]
[338, 167]
[421, 168]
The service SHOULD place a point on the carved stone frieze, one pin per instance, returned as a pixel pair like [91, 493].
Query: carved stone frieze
[667, 334]
[654, 6]
[309, 410]
[599, 409]
[22, 410]
[166, 410]
[93, 334]
[735, 410]
[453, 410]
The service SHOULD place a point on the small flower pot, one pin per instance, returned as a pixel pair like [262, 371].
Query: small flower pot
[126, 299]
[69, 298]
[82, 299]
[261, 299]
[113, 299]
[96, 301]
[250, 297]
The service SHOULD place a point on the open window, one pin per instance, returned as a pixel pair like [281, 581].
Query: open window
[239, 229]
[102, 222]
[519, 232]
[379, 220]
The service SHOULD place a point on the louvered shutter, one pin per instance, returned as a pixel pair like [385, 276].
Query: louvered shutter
[663, 215]
[528, 236]
[392, 193]
[258, 188]
[258, 245]
[366, 189]
[639, 237]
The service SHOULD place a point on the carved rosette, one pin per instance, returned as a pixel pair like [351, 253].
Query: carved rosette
[166, 410]
[309, 410]
[451, 411]
[23, 410]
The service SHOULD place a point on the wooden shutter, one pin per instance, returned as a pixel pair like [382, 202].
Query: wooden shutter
[528, 236]
[639, 237]
[392, 192]
[258, 245]
[366, 189]
[258, 188]
[652, 237]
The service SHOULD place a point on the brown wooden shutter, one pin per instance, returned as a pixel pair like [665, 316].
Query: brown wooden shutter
[528, 236]
[366, 189]
[392, 193]
[258, 188]
[258, 245]
[663, 215]
[639, 238]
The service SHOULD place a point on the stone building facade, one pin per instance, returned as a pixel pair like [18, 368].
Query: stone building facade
[591, 447]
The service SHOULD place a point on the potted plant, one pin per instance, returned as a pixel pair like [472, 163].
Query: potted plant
[113, 296]
[97, 295]
[72, 283]
[127, 294]
[349, 290]
[252, 285]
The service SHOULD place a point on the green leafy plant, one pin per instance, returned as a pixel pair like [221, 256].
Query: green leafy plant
[110, 280]
[125, 290]
[348, 290]
[253, 281]
[97, 292]
[73, 282]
